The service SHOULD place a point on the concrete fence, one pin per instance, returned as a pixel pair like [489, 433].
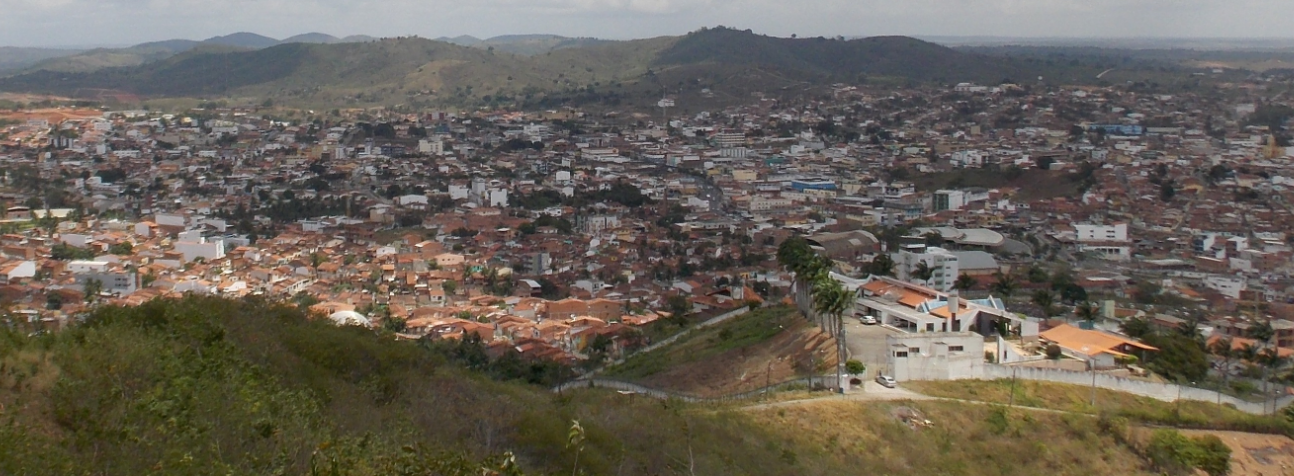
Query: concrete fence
[1160, 391]
[671, 339]
[623, 386]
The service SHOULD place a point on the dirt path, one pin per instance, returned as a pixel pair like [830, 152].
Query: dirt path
[1255, 454]
[873, 392]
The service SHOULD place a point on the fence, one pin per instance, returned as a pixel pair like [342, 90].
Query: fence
[623, 386]
[1160, 391]
[671, 339]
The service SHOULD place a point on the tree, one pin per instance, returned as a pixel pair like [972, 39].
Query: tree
[1053, 352]
[92, 289]
[1005, 284]
[1046, 300]
[449, 286]
[855, 367]
[1087, 311]
[1136, 327]
[964, 282]
[881, 265]
[830, 301]
[1167, 191]
[1224, 349]
[679, 308]
[923, 272]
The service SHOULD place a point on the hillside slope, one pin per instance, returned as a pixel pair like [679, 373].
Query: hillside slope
[212, 386]
[553, 71]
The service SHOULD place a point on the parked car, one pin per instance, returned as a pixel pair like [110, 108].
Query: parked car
[867, 320]
[886, 381]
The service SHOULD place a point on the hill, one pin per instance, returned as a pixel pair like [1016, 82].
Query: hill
[311, 38]
[767, 346]
[212, 386]
[709, 66]
[15, 58]
[243, 40]
[886, 56]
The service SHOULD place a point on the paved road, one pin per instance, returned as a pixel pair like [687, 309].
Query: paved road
[867, 344]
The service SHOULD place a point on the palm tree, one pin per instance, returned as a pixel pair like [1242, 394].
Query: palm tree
[923, 272]
[1222, 348]
[830, 301]
[1045, 299]
[1005, 284]
[1087, 311]
[882, 265]
[964, 283]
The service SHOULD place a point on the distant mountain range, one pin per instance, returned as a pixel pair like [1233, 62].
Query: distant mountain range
[710, 65]
[72, 60]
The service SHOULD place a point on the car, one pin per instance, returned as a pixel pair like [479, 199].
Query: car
[867, 320]
[886, 381]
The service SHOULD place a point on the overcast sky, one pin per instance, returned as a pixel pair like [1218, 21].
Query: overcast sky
[121, 22]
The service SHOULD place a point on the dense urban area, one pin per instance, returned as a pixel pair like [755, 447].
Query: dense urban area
[1111, 236]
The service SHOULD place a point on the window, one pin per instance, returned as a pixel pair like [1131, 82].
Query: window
[900, 354]
[914, 350]
[956, 348]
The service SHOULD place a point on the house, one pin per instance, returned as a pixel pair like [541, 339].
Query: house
[1101, 350]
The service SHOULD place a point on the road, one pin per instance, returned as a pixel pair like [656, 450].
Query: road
[867, 344]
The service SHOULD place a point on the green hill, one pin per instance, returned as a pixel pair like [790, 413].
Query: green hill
[544, 71]
[212, 386]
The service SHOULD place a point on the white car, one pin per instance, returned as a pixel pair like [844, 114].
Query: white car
[886, 381]
[867, 320]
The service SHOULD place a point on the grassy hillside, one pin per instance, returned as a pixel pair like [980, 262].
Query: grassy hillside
[746, 353]
[209, 386]
[962, 440]
[549, 72]
[213, 386]
[15, 58]
[892, 56]
[1077, 399]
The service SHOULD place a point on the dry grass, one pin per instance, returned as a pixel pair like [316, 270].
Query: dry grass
[964, 440]
[1073, 398]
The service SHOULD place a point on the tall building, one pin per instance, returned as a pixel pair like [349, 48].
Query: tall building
[942, 263]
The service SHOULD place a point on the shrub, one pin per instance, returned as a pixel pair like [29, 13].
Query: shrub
[855, 367]
[1175, 454]
[1053, 352]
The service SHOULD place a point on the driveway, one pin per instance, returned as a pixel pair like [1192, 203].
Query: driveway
[867, 344]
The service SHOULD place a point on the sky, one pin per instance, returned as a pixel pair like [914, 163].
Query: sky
[125, 22]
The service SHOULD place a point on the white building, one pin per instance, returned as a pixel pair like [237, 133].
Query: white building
[1089, 233]
[434, 147]
[934, 356]
[949, 200]
[1229, 286]
[1106, 241]
[943, 263]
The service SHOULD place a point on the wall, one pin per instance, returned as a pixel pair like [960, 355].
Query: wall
[937, 359]
[1158, 391]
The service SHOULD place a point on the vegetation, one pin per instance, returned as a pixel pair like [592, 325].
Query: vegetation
[213, 386]
[743, 331]
[1109, 404]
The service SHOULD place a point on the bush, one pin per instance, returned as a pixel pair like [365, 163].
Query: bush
[1053, 352]
[1175, 454]
[855, 367]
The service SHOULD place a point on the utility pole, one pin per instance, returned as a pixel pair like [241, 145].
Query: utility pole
[1092, 363]
[1012, 401]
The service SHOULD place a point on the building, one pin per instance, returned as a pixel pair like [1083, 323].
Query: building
[949, 200]
[1085, 233]
[942, 263]
[813, 184]
[1100, 349]
[934, 356]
